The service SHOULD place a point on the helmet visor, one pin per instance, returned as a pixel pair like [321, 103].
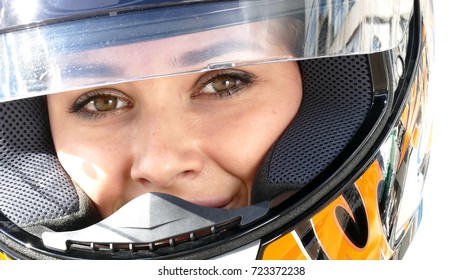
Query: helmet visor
[49, 52]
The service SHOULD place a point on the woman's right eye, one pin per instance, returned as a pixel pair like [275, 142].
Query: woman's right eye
[105, 103]
[100, 101]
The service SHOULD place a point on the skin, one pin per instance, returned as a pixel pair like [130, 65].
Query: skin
[200, 136]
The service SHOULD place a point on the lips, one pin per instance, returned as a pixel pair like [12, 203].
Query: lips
[215, 203]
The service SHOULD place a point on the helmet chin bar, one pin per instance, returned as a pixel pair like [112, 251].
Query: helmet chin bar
[151, 220]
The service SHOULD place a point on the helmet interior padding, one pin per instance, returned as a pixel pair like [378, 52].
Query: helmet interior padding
[337, 98]
[34, 188]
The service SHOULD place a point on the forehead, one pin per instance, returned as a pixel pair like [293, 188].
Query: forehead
[201, 51]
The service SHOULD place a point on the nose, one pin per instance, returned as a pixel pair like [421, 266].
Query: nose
[166, 155]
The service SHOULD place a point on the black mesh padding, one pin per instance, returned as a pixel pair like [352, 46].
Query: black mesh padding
[34, 189]
[337, 98]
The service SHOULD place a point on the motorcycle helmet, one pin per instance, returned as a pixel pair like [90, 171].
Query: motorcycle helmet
[343, 181]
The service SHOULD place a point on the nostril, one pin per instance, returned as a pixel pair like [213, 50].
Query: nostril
[187, 174]
[143, 181]
[159, 166]
[157, 182]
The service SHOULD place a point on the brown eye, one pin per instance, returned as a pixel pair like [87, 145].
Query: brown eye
[223, 83]
[105, 103]
[100, 102]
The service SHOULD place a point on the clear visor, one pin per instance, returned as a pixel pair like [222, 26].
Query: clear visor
[137, 44]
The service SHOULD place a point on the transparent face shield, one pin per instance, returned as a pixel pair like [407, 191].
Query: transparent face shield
[60, 46]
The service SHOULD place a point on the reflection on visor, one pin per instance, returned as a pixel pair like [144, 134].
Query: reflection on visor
[48, 56]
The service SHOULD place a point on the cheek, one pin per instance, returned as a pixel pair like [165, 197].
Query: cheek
[98, 172]
[242, 142]
[93, 163]
[82, 171]
[86, 165]
[85, 151]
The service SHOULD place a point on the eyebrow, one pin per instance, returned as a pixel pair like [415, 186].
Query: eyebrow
[190, 58]
[215, 50]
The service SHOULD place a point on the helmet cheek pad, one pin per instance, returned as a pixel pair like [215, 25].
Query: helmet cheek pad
[34, 188]
[338, 96]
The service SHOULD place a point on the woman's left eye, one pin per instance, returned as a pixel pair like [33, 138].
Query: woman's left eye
[223, 84]
[220, 84]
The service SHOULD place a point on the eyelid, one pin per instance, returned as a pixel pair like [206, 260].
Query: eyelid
[208, 76]
[245, 78]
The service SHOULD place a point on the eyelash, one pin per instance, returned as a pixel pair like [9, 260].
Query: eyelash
[244, 79]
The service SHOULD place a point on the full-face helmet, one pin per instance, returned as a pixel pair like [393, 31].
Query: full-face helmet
[342, 181]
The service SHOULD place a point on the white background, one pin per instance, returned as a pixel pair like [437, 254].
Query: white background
[438, 242]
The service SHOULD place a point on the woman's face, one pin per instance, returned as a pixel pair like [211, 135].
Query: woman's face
[200, 136]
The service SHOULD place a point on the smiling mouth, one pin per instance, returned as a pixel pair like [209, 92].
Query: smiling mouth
[215, 203]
